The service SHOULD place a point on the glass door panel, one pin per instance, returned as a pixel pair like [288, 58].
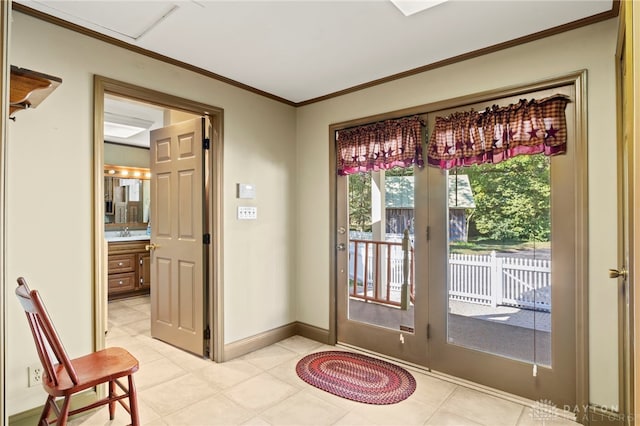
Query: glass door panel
[378, 298]
[503, 252]
[380, 211]
[499, 245]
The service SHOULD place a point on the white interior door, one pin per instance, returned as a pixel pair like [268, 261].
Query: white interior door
[177, 250]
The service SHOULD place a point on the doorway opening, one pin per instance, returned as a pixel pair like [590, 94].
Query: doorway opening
[124, 117]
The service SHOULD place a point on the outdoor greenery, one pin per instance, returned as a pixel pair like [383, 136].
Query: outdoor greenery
[360, 202]
[512, 201]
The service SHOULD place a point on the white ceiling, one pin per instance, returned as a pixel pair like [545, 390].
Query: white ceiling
[301, 50]
[136, 110]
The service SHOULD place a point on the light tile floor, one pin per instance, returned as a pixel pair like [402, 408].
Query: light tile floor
[262, 388]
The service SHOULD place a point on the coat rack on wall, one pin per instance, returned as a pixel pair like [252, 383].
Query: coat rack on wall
[29, 88]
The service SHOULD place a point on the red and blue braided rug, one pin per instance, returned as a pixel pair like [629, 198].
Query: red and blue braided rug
[357, 377]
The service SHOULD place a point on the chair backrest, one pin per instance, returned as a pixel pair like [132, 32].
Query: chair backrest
[46, 338]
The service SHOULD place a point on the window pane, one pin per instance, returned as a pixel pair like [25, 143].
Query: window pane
[499, 280]
[380, 210]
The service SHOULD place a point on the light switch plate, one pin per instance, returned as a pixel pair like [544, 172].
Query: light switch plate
[246, 191]
[247, 213]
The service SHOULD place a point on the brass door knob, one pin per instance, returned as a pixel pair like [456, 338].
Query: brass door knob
[150, 247]
[615, 273]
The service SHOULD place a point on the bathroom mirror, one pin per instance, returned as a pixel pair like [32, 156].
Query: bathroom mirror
[127, 196]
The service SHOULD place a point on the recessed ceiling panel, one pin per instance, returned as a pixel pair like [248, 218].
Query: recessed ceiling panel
[131, 19]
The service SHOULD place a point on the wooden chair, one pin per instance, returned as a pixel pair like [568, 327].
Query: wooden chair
[64, 377]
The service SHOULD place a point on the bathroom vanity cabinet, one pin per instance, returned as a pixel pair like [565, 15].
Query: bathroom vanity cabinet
[129, 269]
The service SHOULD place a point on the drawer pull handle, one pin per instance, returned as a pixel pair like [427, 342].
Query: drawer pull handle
[120, 283]
[120, 263]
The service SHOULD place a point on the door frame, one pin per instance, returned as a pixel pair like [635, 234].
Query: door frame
[579, 80]
[628, 123]
[214, 288]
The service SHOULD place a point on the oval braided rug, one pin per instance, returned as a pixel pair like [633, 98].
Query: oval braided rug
[357, 377]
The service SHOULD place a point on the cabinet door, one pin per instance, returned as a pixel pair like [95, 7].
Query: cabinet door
[122, 283]
[120, 263]
[144, 271]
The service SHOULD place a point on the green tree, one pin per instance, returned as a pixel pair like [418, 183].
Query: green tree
[512, 198]
[360, 202]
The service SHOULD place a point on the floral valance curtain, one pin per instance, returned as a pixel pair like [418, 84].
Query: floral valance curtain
[498, 133]
[380, 146]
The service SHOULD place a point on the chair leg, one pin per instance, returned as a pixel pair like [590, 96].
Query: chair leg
[112, 403]
[46, 410]
[64, 412]
[133, 402]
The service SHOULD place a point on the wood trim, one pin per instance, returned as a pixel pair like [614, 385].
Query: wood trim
[31, 416]
[628, 122]
[634, 234]
[143, 94]
[259, 341]
[476, 53]
[104, 85]
[582, 242]
[314, 333]
[267, 338]
[5, 12]
[113, 41]
[216, 227]
[100, 246]
[126, 144]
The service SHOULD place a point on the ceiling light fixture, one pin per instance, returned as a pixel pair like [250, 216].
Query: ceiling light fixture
[410, 7]
[121, 126]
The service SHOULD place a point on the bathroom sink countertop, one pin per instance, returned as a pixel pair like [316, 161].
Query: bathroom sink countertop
[129, 238]
[136, 235]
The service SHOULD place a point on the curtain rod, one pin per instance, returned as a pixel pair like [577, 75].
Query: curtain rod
[387, 119]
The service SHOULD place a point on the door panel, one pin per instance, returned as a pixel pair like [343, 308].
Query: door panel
[513, 340]
[537, 357]
[177, 301]
[371, 313]
[624, 270]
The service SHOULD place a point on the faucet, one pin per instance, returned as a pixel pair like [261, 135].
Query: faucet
[125, 232]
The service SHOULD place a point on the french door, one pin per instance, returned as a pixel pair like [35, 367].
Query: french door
[486, 302]
[374, 311]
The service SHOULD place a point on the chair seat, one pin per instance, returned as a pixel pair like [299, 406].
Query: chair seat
[92, 370]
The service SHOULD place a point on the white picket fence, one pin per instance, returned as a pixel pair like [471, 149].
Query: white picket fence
[492, 280]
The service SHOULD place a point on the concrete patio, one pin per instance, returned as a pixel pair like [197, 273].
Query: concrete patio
[506, 331]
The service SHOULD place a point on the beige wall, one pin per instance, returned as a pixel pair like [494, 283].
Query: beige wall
[122, 155]
[49, 194]
[590, 48]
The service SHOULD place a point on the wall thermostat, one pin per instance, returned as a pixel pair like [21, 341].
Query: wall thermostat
[246, 190]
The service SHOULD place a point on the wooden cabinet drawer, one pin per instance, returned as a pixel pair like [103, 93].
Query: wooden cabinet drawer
[122, 282]
[122, 263]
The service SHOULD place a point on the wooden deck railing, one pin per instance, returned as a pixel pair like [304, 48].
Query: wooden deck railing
[381, 262]
[479, 279]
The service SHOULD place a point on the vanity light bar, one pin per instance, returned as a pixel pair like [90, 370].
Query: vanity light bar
[125, 172]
